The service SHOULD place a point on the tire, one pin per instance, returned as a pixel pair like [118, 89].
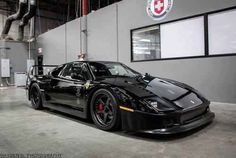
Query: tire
[104, 110]
[36, 97]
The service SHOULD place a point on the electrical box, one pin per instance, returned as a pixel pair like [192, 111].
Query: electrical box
[20, 79]
[30, 62]
[5, 68]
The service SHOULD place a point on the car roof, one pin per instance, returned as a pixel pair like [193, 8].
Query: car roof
[102, 62]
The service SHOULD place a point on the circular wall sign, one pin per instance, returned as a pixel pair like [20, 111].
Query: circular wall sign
[158, 9]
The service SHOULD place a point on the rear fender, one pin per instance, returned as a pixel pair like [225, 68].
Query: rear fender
[29, 87]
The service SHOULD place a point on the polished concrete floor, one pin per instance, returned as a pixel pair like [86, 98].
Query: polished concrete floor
[26, 131]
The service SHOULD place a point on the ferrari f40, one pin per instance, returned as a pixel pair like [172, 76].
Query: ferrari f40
[116, 97]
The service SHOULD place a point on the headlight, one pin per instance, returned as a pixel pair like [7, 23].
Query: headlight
[146, 107]
[125, 99]
[154, 104]
[158, 105]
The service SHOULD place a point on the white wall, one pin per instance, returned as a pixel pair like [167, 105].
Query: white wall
[73, 40]
[102, 34]
[53, 44]
[61, 44]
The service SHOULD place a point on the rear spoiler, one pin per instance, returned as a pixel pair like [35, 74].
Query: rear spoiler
[33, 72]
[34, 69]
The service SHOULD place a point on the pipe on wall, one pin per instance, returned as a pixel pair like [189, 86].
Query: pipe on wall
[84, 7]
[32, 28]
[17, 16]
[31, 12]
[83, 26]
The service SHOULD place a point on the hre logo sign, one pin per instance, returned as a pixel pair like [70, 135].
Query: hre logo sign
[158, 9]
[159, 6]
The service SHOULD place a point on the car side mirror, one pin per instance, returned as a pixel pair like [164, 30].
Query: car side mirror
[77, 77]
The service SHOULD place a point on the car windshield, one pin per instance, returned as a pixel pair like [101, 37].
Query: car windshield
[112, 69]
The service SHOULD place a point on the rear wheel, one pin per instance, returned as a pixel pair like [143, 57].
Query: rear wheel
[104, 110]
[35, 97]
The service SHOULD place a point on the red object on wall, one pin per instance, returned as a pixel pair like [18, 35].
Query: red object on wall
[159, 6]
[84, 7]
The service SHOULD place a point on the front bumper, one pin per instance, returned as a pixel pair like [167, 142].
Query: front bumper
[171, 123]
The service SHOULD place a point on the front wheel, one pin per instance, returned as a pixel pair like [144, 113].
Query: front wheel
[104, 110]
[35, 97]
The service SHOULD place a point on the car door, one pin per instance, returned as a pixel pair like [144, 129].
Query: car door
[51, 86]
[69, 86]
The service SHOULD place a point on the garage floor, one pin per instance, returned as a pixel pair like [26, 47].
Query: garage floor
[26, 131]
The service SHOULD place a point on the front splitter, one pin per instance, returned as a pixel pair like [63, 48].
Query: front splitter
[203, 120]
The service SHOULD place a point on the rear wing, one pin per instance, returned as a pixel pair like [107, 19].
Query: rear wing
[43, 69]
[35, 69]
[34, 72]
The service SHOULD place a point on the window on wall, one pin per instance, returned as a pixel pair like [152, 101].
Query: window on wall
[222, 32]
[171, 40]
[183, 38]
[205, 35]
[146, 44]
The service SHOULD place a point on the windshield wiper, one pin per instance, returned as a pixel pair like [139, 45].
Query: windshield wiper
[122, 76]
[139, 78]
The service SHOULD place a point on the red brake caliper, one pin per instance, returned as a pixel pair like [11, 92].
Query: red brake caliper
[100, 107]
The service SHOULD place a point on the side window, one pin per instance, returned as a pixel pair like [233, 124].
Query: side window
[80, 71]
[55, 72]
[77, 71]
[99, 70]
[67, 71]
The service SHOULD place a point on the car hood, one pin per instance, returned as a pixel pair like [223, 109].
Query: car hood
[180, 94]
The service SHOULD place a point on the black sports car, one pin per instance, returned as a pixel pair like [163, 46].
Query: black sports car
[115, 96]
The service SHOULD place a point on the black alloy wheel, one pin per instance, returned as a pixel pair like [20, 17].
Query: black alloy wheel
[35, 97]
[104, 110]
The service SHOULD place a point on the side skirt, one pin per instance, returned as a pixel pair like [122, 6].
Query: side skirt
[82, 113]
[66, 110]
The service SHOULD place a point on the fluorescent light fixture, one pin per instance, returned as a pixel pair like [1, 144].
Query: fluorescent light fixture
[136, 37]
[141, 48]
[142, 52]
[147, 29]
[145, 40]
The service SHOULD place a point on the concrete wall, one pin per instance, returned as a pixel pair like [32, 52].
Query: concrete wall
[109, 39]
[53, 44]
[18, 54]
[61, 44]
[72, 40]
[102, 34]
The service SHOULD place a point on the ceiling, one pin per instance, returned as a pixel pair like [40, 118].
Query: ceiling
[57, 12]
[67, 8]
